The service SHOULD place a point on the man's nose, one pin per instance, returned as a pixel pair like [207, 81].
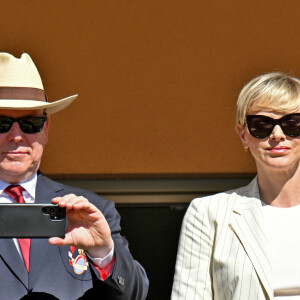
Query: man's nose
[15, 133]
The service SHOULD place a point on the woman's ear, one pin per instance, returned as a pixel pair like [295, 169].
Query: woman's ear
[241, 132]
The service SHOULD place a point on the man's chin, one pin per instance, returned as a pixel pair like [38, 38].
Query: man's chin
[15, 175]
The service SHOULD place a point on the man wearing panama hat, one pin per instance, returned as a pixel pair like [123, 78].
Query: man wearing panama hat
[92, 261]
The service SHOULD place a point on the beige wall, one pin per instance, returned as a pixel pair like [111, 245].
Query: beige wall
[157, 80]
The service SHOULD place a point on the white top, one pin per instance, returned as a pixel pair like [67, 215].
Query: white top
[29, 197]
[283, 234]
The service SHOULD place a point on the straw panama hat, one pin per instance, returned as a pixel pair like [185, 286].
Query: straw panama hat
[21, 86]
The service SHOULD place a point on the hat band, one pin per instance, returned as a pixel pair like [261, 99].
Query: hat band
[22, 93]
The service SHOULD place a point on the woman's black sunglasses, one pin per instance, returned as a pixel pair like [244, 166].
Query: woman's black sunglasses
[27, 124]
[262, 126]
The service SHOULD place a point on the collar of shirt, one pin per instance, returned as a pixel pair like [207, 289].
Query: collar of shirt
[29, 193]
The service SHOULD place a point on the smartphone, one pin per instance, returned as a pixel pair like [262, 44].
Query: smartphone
[23, 220]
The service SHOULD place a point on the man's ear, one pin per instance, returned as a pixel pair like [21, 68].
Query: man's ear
[241, 132]
[46, 129]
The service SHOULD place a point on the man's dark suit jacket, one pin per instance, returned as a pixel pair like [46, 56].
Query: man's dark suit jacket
[51, 275]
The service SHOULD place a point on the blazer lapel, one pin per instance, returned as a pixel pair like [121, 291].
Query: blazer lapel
[14, 261]
[46, 190]
[247, 223]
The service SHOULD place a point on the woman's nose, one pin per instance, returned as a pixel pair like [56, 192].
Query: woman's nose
[277, 134]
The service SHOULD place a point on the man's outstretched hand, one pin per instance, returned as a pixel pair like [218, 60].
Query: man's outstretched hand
[87, 227]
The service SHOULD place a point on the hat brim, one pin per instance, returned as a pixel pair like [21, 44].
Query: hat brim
[50, 107]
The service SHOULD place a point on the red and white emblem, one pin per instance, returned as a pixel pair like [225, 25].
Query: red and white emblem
[79, 263]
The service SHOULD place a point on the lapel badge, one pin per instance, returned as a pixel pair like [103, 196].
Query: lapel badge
[79, 263]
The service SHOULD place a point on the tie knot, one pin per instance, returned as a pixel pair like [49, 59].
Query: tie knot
[15, 191]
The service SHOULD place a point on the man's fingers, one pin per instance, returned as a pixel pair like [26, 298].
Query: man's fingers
[77, 203]
[56, 241]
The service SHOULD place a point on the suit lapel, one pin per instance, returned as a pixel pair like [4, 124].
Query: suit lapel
[46, 190]
[12, 258]
[248, 224]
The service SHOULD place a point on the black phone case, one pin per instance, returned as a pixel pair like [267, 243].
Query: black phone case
[32, 220]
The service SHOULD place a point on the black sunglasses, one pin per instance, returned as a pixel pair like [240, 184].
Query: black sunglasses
[262, 126]
[27, 124]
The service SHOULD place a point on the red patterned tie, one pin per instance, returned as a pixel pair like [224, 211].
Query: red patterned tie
[15, 191]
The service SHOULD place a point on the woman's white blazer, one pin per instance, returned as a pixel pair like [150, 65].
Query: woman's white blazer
[222, 252]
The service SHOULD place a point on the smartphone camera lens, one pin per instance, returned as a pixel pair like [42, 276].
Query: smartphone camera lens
[45, 210]
[55, 212]
[60, 210]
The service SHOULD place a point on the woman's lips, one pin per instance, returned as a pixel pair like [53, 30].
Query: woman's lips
[280, 149]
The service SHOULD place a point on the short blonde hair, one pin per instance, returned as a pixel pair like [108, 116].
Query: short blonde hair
[274, 91]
